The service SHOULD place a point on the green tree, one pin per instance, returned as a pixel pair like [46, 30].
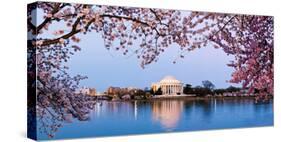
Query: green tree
[233, 89]
[152, 91]
[208, 84]
[187, 89]
[219, 91]
[201, 91]
[159, 92]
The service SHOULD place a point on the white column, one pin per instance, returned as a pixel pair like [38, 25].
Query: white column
[170, 89]
[166, 89]
[163, 89]
[173, 89]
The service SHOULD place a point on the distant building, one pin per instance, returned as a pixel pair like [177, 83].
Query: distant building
[120, 91]
[169, 86]
[113, 90]
[87, 91]
[84, 90]
[132, 88]
[92, 92]
[99, 94]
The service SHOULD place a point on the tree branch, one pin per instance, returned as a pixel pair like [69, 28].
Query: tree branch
[75, 30]
[35, 30]
[157, 17]
[222, 27]
[132, 19]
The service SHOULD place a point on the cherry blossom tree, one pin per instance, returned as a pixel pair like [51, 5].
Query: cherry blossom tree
[248, 38]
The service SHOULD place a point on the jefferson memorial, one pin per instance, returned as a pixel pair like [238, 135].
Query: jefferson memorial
[169, 86]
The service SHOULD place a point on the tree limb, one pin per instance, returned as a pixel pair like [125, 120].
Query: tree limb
[75, 30]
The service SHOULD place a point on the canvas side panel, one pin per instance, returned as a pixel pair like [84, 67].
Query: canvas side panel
[31, 73]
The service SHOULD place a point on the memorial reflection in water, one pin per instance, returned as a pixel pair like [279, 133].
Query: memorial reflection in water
[168, 113]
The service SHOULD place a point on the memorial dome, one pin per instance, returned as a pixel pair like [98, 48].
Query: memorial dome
[169, 79]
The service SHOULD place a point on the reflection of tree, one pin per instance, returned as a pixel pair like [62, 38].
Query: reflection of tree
[117, 108]
[207, 107]
[262, 108]
[167, 112]
[188, 106]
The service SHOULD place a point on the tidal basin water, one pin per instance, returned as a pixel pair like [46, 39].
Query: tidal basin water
[157, 116]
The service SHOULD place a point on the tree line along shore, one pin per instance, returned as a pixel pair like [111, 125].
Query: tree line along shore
[206, 91]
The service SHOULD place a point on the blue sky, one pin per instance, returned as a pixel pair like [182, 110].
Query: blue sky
[106, 68]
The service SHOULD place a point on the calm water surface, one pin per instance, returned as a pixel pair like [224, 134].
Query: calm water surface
[143, 117]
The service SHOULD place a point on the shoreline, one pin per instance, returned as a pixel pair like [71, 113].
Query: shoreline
[187, 97]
